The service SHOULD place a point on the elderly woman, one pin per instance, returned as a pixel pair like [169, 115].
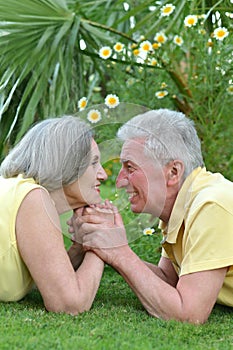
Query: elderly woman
[54, 168]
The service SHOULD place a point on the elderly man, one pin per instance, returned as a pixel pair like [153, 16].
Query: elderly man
[164, 175]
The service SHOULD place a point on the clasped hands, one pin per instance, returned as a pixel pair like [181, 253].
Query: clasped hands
[98, 228]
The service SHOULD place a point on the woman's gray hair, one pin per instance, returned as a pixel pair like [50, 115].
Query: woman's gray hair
[55, 152]
[169, 135]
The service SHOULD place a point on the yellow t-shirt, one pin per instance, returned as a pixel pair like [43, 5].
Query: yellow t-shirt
[199, 234]
[15, 279]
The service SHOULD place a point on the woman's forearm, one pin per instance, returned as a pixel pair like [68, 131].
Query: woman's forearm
[88, 277]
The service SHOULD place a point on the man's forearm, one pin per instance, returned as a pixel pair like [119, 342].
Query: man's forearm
[158, 297]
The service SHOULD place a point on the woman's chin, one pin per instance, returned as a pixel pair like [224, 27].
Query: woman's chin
[96, 200]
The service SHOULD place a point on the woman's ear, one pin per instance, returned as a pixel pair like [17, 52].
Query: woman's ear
[175, 172]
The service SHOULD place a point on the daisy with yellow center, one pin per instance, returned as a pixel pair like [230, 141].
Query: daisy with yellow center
[230, 89]
[156, 46]
[153, 62]
[220, 33]
[94, 116]
[210, 43]
[163, 85]
[161, 94]
[167, 10]
[145, 46]
[118, 47]
[148, 231]
[105, 52]
[82, 103]
[190, 20]
[112, 101]
[133, 46]
[160, 38]
[178, 40]
[202, 31]
[136, 52]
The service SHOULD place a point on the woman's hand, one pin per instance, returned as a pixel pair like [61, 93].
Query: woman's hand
[104, 210]
[102, 231]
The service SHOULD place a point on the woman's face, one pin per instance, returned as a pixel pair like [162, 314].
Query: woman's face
[86, 189]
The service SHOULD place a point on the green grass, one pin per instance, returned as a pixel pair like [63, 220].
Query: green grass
[116, 321]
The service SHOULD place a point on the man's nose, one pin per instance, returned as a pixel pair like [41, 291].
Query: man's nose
[122, 179]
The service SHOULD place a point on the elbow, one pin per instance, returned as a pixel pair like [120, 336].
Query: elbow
[190, 320]
[70, 307]
[194, 316]
[184, 317]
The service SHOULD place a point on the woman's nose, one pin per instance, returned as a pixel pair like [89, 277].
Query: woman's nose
[102, 175]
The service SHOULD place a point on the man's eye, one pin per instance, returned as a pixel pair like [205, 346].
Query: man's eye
[94, 163]
[130, 168]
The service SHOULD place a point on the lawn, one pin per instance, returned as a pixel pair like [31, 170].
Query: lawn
[116, 321]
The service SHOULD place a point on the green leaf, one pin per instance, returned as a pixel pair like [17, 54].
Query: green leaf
[29, 115]
[96, 32]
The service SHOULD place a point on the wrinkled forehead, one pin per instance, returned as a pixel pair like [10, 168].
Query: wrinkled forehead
[134, 150]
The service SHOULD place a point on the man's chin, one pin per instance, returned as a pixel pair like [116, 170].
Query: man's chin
[135, 209]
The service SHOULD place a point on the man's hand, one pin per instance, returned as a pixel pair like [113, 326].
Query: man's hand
[104, 210]
[102, 231]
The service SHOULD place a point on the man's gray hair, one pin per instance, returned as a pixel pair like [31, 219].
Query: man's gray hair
[55, 152]
[169, 135]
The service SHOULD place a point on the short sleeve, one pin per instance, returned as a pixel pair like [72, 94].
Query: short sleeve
[208, 240]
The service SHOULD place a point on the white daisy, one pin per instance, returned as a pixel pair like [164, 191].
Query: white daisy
[148, 231]
[82, 103]
[161, 94]
[112, 100]
[190, 20]
[146, 46]
[178, 40]
[160, 37]
[118, 47]
[94, 116]
[105, 52]
[167, 10]
[220, 33]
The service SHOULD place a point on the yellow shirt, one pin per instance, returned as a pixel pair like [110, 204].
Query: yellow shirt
[15, 279]
[199, 234]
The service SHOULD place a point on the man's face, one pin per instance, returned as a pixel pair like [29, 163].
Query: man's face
[143, 178]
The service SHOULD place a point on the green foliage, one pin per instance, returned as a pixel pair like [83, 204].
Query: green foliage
[196, 76]
[50, 70]
[46, 75]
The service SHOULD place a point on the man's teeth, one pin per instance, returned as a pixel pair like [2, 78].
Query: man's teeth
[131, 195]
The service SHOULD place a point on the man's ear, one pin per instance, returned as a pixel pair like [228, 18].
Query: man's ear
[175, 172]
